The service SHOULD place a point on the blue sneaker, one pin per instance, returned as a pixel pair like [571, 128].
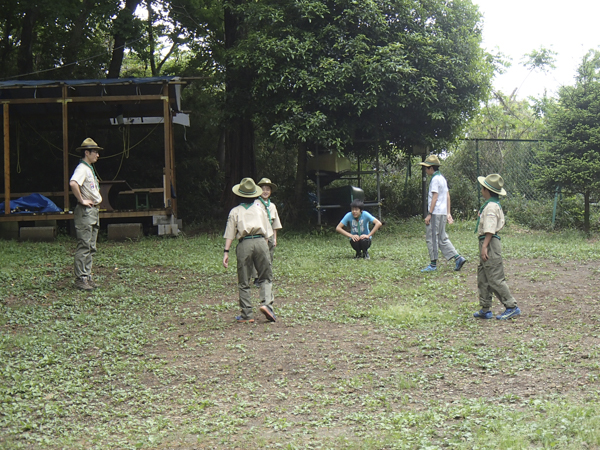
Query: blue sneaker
[429, 268]
[268, 312]
[241, 319]
[481, 314]
[460, 261]
[509, 313]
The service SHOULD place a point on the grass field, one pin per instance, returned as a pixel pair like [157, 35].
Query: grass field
[364, 354]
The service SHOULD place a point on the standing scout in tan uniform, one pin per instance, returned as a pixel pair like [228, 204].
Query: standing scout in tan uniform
[85, 187]
[271, 211]
[490, 272]
[269, 188]
[249, 224]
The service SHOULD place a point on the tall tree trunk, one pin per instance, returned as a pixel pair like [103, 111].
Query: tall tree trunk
[120, 40]
[239, 157]
[25, 56]
[151, 37]
[239, 136]
[6, 47]
[300, 183]
[74, 45]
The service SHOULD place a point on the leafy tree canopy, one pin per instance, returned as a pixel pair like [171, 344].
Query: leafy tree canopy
[333, 72]
[572, 159]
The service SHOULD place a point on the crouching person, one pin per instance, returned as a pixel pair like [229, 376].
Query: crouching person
[249, 225]
[358, 221]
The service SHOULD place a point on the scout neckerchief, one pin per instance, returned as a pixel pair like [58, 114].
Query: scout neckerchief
[266, 205]
[358, 223]
[246, 205]
[93, 172]
[491, 200]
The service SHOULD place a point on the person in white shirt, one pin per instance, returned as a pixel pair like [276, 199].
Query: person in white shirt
[438, 214]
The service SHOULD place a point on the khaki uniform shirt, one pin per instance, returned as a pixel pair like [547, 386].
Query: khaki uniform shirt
[248, 222]
[88, 184]
[275, 222]
[491, 220]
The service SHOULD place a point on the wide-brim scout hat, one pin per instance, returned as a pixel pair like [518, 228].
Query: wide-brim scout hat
[247, 188]
[493, 182]
[89, 144]
[267, 182]
[431, 160]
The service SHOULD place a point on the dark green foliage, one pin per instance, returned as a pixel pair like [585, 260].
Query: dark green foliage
[331, 72]
[537, 214]
[572, 159]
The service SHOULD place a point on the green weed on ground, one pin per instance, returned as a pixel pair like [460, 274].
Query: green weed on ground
[364, 355]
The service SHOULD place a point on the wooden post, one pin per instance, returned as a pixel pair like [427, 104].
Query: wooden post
[167, 145]
[6, 159]
[65, 132]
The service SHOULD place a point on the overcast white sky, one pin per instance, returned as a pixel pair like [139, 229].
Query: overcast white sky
[516, 27]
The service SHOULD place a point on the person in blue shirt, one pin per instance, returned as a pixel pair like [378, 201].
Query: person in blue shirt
[358, 221]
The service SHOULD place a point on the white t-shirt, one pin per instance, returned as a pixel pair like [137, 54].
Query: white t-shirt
[440, 185]
[87, 182]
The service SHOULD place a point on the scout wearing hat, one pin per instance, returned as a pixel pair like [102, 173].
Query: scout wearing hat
[438, 214]
[250, 226]
[89, 144]
[85, 187]
[490, 272]
[268, 187]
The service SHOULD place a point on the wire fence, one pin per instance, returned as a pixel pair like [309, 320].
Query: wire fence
[513, 159]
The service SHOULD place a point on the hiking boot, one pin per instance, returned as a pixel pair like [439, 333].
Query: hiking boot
[240, 319]
[509, 313]
[90, 281]
[358, 255]
[481, 314]
[268, 312]
[460, 261]
[366, 255]
[429, 268]
[82, 283]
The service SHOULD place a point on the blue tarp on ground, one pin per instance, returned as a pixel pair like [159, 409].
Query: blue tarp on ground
[34, 203]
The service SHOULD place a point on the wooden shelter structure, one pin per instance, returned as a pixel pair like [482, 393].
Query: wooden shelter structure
[110, 103]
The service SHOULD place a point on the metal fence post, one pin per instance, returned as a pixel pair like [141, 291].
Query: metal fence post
[478, 174]
[556, 194]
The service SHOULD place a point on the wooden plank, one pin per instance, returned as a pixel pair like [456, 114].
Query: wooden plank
[167, 140]
[65, 133]
[119, 98]
[142, 190]
[6, 159]
[26, 101]
[69, 215]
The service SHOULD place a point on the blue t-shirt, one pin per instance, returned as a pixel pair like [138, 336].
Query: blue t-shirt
[360, 226]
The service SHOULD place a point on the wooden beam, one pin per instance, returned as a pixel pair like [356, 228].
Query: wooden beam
[6, 160]
[119, 98]
[167, 141]
[65, 133]
[69, 215]
[95, 99]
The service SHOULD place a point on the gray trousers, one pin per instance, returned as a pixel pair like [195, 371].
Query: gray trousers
[435, 235]
[253, 253]
[271, 242]
[490, 277]
[87, 223]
